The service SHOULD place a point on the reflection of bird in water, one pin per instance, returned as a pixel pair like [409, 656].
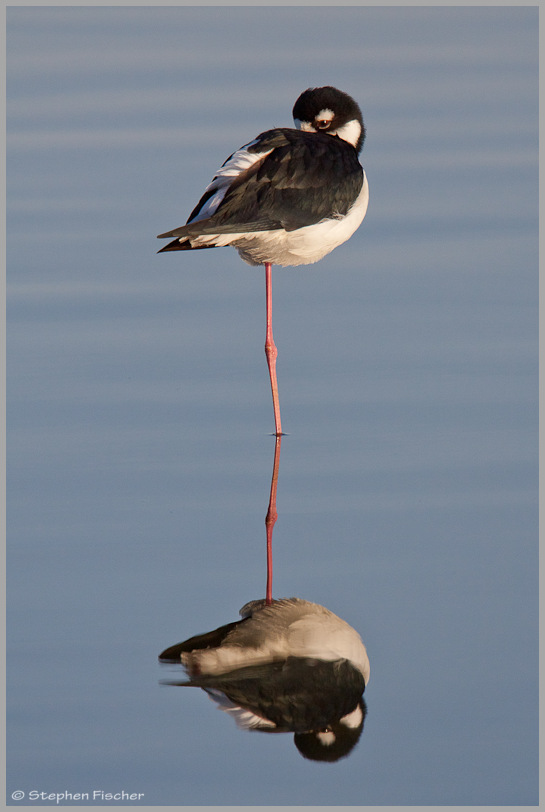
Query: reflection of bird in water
[291, 666]
[288, 197]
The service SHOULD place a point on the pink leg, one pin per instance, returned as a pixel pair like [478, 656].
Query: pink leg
[271, 351]
[271, 518]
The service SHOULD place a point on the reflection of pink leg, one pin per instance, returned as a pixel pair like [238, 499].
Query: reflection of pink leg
[271, 518]
[271, 351]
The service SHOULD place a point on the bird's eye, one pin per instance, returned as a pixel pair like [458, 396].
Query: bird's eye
[323, 123]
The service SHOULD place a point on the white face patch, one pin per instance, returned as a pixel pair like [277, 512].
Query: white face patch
[326, 737]
[353, 719]
[320, 122]
[350, 132]
[325, 115]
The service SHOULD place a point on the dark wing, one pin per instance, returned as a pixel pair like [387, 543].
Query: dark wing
[297, 694]
[304, 178]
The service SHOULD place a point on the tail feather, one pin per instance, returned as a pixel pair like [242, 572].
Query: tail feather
[176, 245]
[211, 639]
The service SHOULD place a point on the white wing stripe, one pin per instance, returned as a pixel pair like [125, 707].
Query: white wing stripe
[232, 168]
[211, 204]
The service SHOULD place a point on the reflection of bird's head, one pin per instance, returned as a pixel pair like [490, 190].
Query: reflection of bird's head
[335, 741]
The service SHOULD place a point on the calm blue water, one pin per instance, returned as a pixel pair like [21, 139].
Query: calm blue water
[139, 413]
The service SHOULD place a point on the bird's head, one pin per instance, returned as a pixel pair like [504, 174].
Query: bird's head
[328, 110]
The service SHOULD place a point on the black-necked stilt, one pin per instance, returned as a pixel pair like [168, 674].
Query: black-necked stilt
[288, 197]
[291, 666]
